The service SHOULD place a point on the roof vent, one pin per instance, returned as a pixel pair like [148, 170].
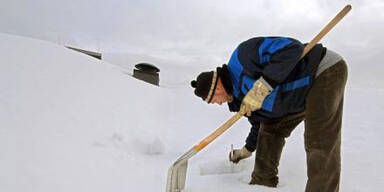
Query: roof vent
[147, 72]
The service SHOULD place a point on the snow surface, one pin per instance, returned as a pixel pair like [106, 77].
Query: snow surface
[69, 123]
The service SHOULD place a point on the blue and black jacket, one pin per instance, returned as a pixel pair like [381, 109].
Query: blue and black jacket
[277, 60]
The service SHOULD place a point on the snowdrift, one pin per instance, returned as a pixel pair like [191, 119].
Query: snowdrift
[69, 122]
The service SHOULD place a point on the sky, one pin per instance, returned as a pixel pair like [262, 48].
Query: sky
[198, 32]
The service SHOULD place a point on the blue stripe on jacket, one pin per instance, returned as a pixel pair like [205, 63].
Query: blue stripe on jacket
[269, 101]
[247, 84]
[270, 46]
[296, 84]
[235, 70]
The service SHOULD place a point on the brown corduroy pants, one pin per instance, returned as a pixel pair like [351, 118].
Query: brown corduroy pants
[323, 119]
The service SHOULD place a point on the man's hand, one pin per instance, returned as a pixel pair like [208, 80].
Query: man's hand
[255, 97]
[239, 154]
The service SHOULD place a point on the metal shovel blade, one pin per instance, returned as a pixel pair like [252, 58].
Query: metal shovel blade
[177, 173]
[176, 176]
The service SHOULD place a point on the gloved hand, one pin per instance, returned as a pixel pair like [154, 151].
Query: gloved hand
[239, 154]
[255, 97]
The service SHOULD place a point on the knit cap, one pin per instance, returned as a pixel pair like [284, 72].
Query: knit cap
[205, 85]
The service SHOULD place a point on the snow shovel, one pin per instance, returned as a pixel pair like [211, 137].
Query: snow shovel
[178, 171]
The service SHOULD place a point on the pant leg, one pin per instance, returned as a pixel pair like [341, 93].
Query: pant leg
[271, 141]
[324, 110]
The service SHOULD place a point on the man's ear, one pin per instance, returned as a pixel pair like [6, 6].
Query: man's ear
[219, 85]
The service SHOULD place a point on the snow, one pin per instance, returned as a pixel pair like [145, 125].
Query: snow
[69, 122]
[224, 167]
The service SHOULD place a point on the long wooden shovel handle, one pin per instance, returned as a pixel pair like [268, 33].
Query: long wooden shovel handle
[326, 29]
[307, 48]
[218, 132]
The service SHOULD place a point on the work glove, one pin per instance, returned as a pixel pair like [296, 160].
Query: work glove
[255, 97]
[238, 154]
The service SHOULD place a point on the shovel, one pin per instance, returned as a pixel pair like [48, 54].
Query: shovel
[178, 171]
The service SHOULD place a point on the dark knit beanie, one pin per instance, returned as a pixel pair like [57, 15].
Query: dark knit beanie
[205, 85]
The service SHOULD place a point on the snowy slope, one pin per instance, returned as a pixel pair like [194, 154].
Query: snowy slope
[71, 123]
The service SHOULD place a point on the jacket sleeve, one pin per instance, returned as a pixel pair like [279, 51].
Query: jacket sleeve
[251, 141]
[280, 55]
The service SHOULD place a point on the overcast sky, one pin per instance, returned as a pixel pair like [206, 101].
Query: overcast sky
[198, 30]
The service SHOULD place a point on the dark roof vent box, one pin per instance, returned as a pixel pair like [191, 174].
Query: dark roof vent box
[147, 72]
[146, 67]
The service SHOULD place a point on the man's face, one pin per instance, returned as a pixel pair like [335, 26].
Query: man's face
[220, 96]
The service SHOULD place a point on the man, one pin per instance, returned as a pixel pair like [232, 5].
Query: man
[266, 80]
